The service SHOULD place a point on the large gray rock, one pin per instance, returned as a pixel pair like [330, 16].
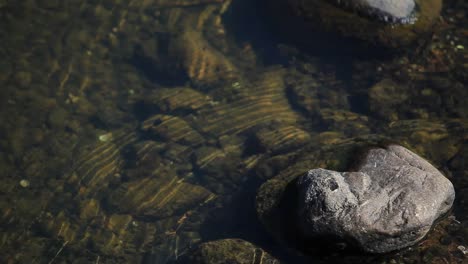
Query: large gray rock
[389, 202]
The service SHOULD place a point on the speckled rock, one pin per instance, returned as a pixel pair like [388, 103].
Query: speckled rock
[389, 202]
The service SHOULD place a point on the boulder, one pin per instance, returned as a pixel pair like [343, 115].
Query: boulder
[388, 201]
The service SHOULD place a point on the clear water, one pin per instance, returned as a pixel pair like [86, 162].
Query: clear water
[133, 131]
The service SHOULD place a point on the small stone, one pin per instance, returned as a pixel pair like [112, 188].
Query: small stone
[24, 183]
[388, 202]
[105, 137]
[463, 249]
[236, 85]
[73, 98]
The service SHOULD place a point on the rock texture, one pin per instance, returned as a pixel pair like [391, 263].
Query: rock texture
[389, 202]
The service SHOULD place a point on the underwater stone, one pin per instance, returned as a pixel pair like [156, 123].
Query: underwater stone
[105, 137]
[394, 11]
[24, 183]
[231, 250]
[389, 202]
[388, 23]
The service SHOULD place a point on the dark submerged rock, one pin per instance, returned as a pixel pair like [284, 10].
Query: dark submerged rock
[389, 11]
[389, 23]
[276, 199]
[389, 202]
[233, 251]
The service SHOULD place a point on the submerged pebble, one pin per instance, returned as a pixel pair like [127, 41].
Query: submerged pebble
[24, 183]
[463, 250]
[105, 137]
[390, 11]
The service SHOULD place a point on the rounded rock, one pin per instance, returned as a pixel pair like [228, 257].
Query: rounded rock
[24, 183]
[386, 199]
[389, 202]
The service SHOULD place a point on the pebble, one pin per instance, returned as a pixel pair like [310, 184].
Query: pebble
[463, 249]
[24, 183]
[105, 137]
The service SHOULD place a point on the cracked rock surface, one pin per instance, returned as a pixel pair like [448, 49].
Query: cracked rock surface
[389, 201]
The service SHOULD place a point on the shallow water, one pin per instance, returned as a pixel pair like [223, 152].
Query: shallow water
[133, 131]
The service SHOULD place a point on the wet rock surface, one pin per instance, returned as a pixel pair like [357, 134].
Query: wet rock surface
[399, 11]
[277, 199]
[389, 202]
